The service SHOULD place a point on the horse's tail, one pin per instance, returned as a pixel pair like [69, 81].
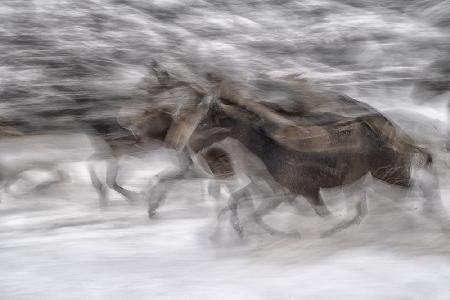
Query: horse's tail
[390, 136]
[394, 153]
[425, 158]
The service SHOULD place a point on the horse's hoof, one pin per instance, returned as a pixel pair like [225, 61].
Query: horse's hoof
[324, 213]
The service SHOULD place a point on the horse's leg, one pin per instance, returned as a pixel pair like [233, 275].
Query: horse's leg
[157, 195]
[267, 207]
[426, 179]
[361, 212]
[235, 198]
[101, 188]
[433, 207]
[315, 199]
[156, 192]
[214, 189]
[112, 171]
[160, 190]
[61, 177]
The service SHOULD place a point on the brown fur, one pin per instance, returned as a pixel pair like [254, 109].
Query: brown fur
[308, 150]
[315, 153]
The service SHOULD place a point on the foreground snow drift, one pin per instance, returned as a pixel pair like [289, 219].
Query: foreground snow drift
[57, 244]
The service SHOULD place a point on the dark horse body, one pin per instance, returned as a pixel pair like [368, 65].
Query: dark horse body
[305, 147]
[306, 152]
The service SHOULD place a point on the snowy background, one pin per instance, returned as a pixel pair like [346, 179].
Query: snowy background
[63, 60]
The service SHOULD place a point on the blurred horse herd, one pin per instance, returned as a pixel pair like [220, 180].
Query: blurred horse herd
[288, 138]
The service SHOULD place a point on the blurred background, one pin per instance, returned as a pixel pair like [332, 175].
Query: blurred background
[64, 63]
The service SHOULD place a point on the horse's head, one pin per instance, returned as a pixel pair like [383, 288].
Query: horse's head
[151, 124]
[172, 111]
[224, 116]
[233, 105]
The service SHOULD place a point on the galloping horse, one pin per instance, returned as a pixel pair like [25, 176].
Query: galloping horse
[304, 149]
[307, 151]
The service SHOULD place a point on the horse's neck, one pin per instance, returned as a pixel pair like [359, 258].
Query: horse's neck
[255, 141]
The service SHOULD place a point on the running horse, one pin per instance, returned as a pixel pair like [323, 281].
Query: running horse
[167, 117]
[304, 149]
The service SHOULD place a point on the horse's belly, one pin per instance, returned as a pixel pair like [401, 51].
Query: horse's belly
[307, 176]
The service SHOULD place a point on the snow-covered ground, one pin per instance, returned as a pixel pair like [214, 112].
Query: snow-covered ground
[64, 61]
[56, 243]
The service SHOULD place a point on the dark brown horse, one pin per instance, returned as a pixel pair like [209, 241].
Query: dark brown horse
[304, 149]
[307, 151]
